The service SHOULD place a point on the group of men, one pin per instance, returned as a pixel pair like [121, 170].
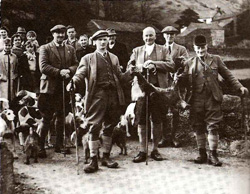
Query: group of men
[100, 73]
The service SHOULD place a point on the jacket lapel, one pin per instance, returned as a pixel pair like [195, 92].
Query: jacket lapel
[175, 50]
[54, 50]
[141, 57]
[158, 52]
[67, 53]
[209, 60]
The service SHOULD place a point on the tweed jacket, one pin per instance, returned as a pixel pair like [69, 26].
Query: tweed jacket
[4, 75]
[218, 67]
[50, 65]
[178, 51]
[87, 72]
[164, 62]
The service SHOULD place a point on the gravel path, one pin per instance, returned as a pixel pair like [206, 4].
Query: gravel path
[175, 175]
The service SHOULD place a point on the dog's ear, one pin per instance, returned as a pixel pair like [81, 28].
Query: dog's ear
[3, 115]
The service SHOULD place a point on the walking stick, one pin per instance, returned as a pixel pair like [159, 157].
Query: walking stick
[74, 122]
[64, 117]
[147, 118]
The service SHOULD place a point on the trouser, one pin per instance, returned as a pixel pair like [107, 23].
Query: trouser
[103, 113]
[205, 115]
[156, 112]
[50, 104]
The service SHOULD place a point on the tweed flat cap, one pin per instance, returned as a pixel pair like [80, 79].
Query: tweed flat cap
[200, 40]
[58, 28]
[99, 34]
[111, 32]
[170, 29]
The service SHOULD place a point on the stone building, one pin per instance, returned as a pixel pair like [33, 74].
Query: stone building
[215, 34]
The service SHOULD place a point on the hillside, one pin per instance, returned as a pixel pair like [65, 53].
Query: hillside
[170, 9]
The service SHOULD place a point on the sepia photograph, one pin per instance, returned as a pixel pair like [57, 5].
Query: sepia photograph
[125, 96]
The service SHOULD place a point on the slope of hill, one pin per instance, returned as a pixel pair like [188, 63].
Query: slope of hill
[170, 10]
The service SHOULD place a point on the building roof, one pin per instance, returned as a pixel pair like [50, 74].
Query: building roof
[120, 26]
[225, 22]
[194, 26]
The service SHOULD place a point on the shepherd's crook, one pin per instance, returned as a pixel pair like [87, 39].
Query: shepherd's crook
[147, 118]
[64, 117]
[74, 122]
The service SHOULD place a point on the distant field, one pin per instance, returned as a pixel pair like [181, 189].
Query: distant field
[241, 73]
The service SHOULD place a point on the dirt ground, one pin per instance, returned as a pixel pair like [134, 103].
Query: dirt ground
[177, 174]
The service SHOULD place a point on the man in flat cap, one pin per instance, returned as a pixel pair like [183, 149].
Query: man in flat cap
[120, 50]
[179, 54]
[72, 40]
[104, 96]
[156, 59]
[117, 48]
[58, 64]
[205, 96]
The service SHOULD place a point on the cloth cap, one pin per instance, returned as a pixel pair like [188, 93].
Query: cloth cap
[200, 40]
[21, 30]
[58, 27]
[170, 30]
[111, 32]
[99, 34]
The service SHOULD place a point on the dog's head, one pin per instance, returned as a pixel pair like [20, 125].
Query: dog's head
[4, 104]
[8, 115]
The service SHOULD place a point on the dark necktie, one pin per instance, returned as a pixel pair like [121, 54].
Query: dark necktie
[9, 79]
[169, 48]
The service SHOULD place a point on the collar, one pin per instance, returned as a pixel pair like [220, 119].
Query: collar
[57, 45]
[72, 41]
[111, 45]
[171, 45]
[5, 53]
[103, 54]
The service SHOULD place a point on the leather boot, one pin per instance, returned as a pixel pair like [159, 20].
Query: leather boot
[202, 158]
[213, 158]
[141, 157]
[163, 143]
[92, 166]
[106, 161]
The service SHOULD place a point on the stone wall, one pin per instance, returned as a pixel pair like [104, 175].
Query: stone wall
[6, 171]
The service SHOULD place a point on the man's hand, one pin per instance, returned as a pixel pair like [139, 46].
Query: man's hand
[65, 73]
[244, 91]
[149, 64]
[71, 86]
[133, 69]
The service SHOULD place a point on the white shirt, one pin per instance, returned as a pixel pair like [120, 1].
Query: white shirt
[149, 49]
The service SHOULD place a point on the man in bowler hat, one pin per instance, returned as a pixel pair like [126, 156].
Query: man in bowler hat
[205, 97]
[58, 64]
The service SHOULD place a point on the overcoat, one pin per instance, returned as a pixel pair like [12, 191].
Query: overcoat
[4, 75]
